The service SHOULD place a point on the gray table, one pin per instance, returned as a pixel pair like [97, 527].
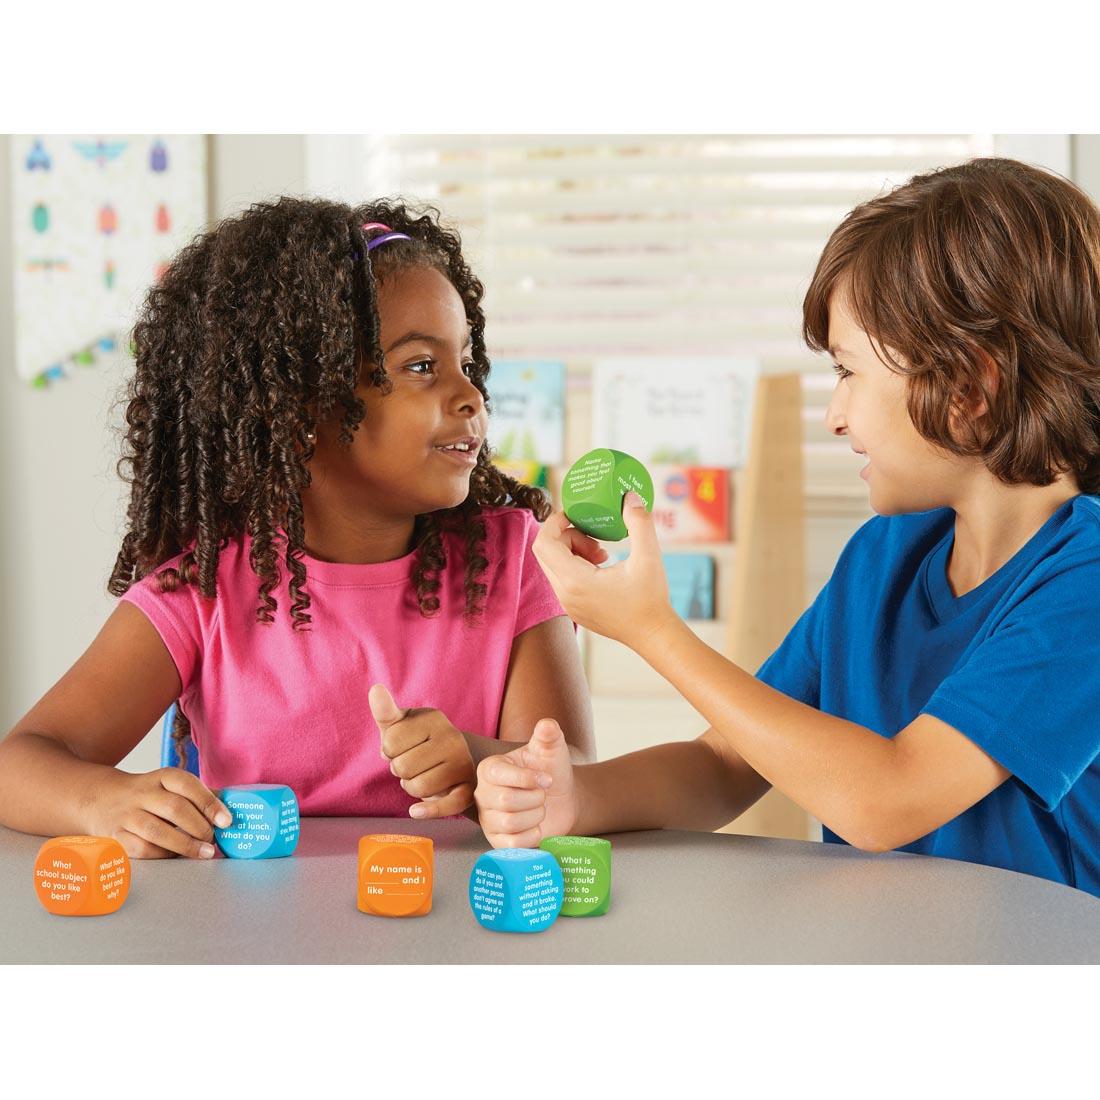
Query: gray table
[677, 897]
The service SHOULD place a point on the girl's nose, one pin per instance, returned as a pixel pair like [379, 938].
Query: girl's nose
[468, 398]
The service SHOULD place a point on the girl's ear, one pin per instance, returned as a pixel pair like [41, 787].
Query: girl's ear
[311, 433]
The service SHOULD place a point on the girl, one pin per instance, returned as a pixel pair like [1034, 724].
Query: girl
[941, 694]
[312, 512]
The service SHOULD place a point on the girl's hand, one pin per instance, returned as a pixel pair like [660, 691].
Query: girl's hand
[625, 602]
[528, 794]
[158, 814]
[427, 754]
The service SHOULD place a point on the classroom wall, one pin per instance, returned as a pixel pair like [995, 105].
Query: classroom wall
[60, 505]
[61, 502]
[1086, 163]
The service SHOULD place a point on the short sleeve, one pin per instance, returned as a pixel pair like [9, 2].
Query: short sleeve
[1029, 693]
[178, 619]
[537, 601]
[795, 667]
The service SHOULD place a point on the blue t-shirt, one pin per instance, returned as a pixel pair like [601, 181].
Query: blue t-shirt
[1014, 665]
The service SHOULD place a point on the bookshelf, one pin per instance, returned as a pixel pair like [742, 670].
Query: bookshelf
[759, 588]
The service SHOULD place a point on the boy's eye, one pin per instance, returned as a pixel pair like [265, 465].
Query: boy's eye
[468, 367]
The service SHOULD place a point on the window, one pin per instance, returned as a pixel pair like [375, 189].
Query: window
[684, 244]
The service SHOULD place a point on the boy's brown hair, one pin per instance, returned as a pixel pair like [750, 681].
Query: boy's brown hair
[994, 257]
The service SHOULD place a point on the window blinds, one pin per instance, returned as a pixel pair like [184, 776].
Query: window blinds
[682, 245]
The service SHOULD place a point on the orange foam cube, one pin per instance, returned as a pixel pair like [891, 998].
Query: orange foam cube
[81, 876]
[395, 875]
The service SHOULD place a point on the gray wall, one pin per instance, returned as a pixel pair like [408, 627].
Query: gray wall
[60, 501]
[1086, 163]
[61, 504]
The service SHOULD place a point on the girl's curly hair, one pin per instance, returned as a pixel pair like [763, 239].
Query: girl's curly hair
[260, 329]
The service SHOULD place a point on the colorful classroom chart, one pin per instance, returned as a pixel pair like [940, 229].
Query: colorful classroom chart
[95, 222]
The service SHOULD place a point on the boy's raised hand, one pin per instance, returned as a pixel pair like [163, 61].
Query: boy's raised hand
[626, 601]
[528, 793]
[426, 753]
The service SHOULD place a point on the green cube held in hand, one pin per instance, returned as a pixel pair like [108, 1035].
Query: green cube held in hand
[585, 863]
[593, 490]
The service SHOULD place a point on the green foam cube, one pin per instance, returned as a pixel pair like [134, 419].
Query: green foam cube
[585, 863]
[593, 490]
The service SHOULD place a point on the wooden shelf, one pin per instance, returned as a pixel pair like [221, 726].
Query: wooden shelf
[759, 593]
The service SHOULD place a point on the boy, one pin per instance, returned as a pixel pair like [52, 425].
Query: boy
[942, 693]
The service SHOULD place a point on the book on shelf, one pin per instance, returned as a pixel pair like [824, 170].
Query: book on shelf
[681, 410]
[691, 503]
[527, 420]
[690, 582]
[525, 471]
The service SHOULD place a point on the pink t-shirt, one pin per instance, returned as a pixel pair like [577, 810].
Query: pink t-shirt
[270, 705]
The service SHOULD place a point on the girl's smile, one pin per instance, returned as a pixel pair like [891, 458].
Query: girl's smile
[420, 438]
[463, 451]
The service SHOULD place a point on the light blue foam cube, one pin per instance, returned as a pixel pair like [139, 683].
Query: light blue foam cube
[516, 890]
[265, 821]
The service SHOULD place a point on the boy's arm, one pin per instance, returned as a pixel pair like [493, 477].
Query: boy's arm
[875, 792]
[699, 785]
[535, 791]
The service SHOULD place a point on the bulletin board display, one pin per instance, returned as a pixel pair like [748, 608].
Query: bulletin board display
[96, 220]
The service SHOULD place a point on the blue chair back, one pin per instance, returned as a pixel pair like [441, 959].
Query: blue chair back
[168, 746]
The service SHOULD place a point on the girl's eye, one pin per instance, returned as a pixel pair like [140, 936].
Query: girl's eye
[842, 372]
[425, 367]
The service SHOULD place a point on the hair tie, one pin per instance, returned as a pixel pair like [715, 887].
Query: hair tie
[387, 235]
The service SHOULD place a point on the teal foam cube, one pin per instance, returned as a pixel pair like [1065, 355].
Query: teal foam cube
[265, 824]
[516, 890]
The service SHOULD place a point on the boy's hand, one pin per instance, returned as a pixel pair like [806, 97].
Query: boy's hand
[628, 601]
[158, 814]
[528, 794]
[427, 754]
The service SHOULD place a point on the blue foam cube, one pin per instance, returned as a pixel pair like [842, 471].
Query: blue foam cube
[265, 821]
[516, 890]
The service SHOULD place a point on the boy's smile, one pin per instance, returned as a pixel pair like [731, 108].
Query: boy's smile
[905, 472]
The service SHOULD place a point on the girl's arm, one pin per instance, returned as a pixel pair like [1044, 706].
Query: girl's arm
[57, 773]
[876, 793]
[545, 680]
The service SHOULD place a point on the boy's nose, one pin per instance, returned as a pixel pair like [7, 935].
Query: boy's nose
[835, 419]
